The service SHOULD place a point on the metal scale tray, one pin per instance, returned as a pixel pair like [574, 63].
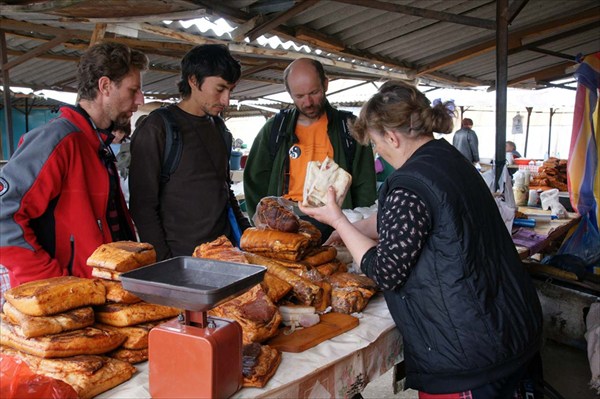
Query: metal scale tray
[192, 284]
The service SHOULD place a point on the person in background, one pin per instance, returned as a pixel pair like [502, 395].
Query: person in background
[192, 207]
[313, 130]
[120, 146]
[383, 169]
[511, 148]
[60, 193]
[121, 133]
[438, 248]
[465, 140]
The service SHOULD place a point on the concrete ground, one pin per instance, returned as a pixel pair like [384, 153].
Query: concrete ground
[566, 369]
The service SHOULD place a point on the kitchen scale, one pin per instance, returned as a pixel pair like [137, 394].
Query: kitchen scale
[194, 356]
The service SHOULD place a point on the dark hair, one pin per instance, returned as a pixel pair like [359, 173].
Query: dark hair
[400, 106]
[113, 60]
[466, 122]
[125, 128]
[207, 60]
[318, 67]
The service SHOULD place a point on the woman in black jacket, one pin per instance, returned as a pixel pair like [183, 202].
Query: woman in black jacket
[438, 248]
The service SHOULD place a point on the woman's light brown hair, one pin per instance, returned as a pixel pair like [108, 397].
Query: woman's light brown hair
[401, 107]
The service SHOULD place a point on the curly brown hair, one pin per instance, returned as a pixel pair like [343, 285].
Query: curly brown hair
[113, 60]
[401, 107]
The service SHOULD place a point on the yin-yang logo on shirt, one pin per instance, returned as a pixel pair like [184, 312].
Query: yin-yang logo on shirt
[295, 152]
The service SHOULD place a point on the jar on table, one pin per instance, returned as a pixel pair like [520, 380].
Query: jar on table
[521, 188]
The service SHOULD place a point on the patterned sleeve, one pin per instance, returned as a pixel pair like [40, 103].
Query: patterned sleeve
[403, 230]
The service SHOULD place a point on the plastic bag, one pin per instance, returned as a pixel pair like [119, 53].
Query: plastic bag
[550, 200]
[504, 197]
[18, 381]
[584, 243]
[276, 213]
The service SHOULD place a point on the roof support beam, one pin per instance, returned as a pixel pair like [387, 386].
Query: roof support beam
[11, 24]
[318, 39]
[171, 16]
[515, 8]
[423, 13]
[350, 87]
[175, 50]
[98, 34]
[552, 53]
[40, 6]
[255, 69]
[543, 74]
[554, 38]
[242, 30]
[515, 39]
[558, 86]
[41, 49]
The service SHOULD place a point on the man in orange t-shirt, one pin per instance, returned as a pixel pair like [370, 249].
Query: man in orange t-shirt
[313, 144]
[314, 134]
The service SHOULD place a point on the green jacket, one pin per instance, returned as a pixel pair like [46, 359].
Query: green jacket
[264, 176]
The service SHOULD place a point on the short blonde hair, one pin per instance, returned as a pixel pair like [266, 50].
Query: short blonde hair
[399, 106]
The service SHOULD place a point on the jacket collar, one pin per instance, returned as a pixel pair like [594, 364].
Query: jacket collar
[291, 127]
[84, 122]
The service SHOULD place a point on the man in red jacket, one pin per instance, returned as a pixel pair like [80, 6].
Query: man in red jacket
[60, 196]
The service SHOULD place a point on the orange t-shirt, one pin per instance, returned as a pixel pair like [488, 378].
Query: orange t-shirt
[313, 145]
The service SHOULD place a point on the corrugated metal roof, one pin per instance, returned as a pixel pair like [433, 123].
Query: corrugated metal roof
[374, 43]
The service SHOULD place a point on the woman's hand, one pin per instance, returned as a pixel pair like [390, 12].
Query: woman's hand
[357, 241]
[330, 214]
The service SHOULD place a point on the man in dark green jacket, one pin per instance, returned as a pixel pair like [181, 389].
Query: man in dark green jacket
[312, 131]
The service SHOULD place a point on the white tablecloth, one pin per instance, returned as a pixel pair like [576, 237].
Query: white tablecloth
[337, 368]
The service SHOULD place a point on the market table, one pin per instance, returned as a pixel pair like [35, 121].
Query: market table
[563, 301]
[337, 368]
[545, 233]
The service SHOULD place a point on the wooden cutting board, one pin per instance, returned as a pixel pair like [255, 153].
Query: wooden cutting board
[331, 325]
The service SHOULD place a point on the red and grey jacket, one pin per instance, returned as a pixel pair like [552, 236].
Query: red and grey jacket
[54, 195]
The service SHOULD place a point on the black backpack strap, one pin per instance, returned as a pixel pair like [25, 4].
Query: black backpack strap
[173, 145]
[227, 140]
[349, 143]
[278, 129]
[225, 133]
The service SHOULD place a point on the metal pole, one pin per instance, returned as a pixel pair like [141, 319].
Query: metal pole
[7, 103]
[27, 114]
[501, 78]
[529, 109]
[552, 112]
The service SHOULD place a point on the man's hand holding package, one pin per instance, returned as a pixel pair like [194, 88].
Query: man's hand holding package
[322, 175]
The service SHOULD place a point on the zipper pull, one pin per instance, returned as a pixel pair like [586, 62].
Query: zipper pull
[99, 224]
